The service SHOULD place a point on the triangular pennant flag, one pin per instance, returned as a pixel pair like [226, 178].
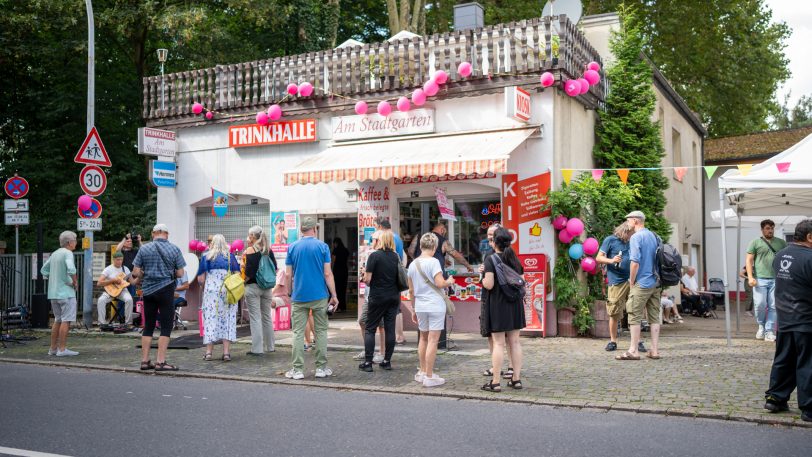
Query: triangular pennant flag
[744, 169]
[679, 172]
[783, 167]
[710, 170]
[567, 174]
[624, 175]
[597, 174]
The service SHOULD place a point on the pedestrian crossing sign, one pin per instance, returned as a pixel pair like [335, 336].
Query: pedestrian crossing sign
[92, 151]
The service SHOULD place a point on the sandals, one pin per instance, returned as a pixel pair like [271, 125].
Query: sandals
[226, 357]
[163, 366]
[627, 356]
[489, 373]
[653, 357]
[491, 387]
[207, 357]
[517, 384]
[508, 374]
[148, 365]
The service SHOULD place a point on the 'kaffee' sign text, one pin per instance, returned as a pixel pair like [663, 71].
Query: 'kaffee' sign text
[281, 132]
[374, 125]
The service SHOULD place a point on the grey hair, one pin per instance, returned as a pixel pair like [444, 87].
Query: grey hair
[260, 239]
[428, 242]
[66, 237]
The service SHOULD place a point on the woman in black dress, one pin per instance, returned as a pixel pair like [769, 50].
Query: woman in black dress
[381, 276]
[505, 317]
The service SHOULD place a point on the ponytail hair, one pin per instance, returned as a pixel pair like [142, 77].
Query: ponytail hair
[502, 240]
[260, 239]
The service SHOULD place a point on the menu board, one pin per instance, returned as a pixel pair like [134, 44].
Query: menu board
[466, 288]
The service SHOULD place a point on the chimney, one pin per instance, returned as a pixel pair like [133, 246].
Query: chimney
[469, 16]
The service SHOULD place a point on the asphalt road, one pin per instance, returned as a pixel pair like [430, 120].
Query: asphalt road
[80, 412]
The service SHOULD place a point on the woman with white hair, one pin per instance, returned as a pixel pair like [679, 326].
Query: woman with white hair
[219, 318]
[258, 300]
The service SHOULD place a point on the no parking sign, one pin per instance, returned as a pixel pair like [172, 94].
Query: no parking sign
[16, 187]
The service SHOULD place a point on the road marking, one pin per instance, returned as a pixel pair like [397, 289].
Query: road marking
[186, 396]
[165, 395]
[26, 453]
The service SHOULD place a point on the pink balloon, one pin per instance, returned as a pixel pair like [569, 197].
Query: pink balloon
[547, 79]
[440, 77]
[201, 246]
[275, 112]
[193, 245]
[85, 202]
[592, 77]
[384, 108]
[595, 66]
[560, 222]
[197, 108]
[572, 87]
[584, 85]
[465, 69]
[305, 89]
[565, 237]
[262, 118]
[588, 264]
[404, 104]
[237, 245]
[419, 97]
[591, 246]
[575, 227]
[431, 88]
[293, 89]
[209, 115]
[361, 107]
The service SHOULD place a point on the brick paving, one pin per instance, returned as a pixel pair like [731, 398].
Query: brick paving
[697, 376]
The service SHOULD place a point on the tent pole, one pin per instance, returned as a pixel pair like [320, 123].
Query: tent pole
[738, 262]
[724, 262]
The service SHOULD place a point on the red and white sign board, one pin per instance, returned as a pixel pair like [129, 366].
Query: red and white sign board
[93, 180]
[535, 303]
[446, 211]
[510, 204]
[92, 151]
[517, 103]
[94, 212]
[280, 132]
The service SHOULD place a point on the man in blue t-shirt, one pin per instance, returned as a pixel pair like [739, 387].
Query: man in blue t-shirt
[313, 286]
[644, 293]
[614, 253]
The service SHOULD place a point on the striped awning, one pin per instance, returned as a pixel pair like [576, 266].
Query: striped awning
[433, 155]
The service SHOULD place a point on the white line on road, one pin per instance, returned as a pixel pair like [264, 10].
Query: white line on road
[26, 453]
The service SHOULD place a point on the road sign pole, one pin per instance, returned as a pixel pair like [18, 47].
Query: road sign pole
[87, 277]
[18, 268]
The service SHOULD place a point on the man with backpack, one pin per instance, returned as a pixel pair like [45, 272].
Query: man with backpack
[761, 277]
[644, 282]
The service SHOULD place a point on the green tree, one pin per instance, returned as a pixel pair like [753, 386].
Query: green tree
[796, 117]
[626, 136]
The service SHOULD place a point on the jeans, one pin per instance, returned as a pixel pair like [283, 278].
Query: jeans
[300, 311]
[388, 310]
[764, 303]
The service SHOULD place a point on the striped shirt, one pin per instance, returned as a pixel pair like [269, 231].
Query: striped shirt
[158, 260]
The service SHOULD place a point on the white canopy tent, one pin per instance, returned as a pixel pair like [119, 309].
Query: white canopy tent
[778, 187]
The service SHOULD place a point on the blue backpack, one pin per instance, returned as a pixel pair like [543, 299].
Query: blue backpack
[266, 273]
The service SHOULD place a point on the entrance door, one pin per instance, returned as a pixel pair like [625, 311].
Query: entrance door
[416, 218]
[341, 234]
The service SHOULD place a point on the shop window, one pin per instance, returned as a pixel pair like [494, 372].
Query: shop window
[235, 224]
[470, 231]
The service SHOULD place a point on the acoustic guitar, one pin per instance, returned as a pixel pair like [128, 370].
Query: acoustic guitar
[113, 289]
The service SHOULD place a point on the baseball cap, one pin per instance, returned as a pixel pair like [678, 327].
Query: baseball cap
[160, 228]
[308, 223]
[117, 254]
[636, 215]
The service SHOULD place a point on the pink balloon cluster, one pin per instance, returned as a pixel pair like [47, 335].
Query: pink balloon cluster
[237, 245]
[580, 86]
[197, 246]
[569, 229]
[198, 108]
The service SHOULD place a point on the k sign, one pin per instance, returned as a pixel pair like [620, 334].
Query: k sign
[517, 104]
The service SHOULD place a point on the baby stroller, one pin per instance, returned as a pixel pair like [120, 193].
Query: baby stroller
[717, 286]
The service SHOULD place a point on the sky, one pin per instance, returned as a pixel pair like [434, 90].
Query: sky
[798, 16]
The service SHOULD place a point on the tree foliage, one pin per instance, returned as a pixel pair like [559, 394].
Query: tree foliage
[798, 116]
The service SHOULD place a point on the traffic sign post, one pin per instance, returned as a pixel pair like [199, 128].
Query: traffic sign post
[16, 187]
[92, 151]
[92, 225]
[93, 180]
[16, 214]
[93, 213]
[15, 205]
[17, 219]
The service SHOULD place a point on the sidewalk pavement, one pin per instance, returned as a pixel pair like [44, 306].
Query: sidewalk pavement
[697, 377]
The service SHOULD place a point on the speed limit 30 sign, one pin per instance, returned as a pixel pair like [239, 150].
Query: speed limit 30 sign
[93, 180]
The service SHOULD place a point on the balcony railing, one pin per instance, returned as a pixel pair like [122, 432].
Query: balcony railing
[500, 55]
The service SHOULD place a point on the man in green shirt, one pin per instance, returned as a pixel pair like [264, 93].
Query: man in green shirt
[761, 277]
[60, 271]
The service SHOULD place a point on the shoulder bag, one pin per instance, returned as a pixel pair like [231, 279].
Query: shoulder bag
[234, 285]
[403, 277]
[449, 305]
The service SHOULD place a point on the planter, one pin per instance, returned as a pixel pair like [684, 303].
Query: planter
[565, 327]
[601, 327]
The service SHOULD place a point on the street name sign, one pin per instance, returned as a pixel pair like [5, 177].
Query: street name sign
[157, 142]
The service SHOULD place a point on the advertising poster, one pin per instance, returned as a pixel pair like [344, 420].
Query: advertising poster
[532, 196]
[219, 205]
[534, 302]
[466, 288]
[373, 202]
[284, 231]
[446, 211]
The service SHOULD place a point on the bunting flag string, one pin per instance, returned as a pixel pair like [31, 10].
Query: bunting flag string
[783, 167]
[744, 169]
[567, 174]
[710, 170]
[623, 173]
[679, 172]
[597, 174]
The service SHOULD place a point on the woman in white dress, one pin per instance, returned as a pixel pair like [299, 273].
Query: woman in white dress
[219, 318]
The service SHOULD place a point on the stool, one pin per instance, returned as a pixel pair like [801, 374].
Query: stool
[180, 302]
[116, 308]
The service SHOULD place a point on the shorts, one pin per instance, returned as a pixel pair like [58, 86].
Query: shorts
[431, 321]
[618, 294]
[644, 304]
[64, 310]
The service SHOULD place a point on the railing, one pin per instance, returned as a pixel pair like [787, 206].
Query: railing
[503, 51]
[28, 283]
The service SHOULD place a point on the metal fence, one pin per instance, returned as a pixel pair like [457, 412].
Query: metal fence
[27, 267]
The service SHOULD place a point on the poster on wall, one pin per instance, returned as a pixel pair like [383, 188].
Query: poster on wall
[373, 202]
[284, 231]
[532, 196]
[446, 210]
[535, 302]
[219, 203]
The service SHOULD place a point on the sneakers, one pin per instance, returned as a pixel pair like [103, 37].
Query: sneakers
[760, 333]
[769, 336]
[323, 372]
[378, 358]
[66, 353]
[641, 347]
[386, 365]
[774, 406]
[612, 346]
[51, 351]
[433, 381]
[295, 374]
[419, 376]
[360, 356]
[366, 367]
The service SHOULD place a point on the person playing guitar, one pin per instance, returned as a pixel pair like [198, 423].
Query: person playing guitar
[115, 279]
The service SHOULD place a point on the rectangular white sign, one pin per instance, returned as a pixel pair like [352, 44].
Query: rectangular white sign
[99, 263]
[16, 218]
[156, 142]
[517, 104]
[92, 225]
[10, 204]
[374, 125]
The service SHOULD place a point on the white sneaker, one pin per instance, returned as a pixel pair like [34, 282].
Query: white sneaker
[323, 372]
[66, 353]
[378, 358]
[760, 333]
[360, 356]
[294, 374]
[433, 381]
[51, 351]
[419, 376]
[769, 336]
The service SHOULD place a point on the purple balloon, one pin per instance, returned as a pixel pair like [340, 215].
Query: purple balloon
[575, 227]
